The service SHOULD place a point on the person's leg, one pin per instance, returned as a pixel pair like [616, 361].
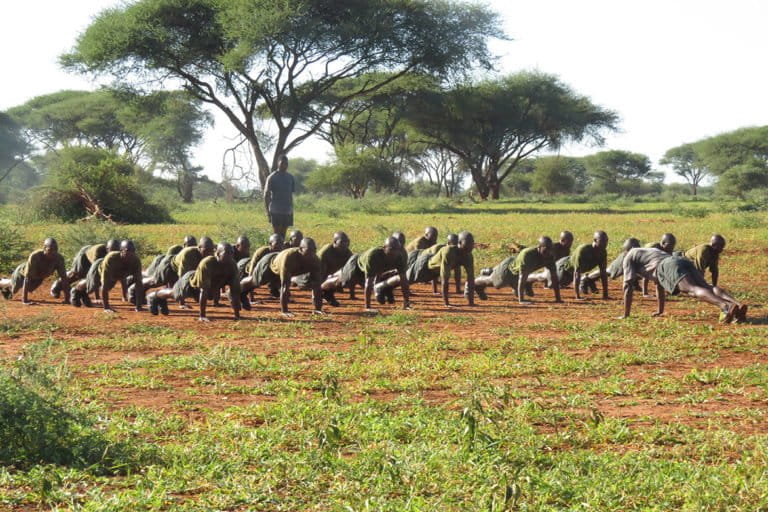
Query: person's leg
[539, 277]
[691, 288]
[720, 292]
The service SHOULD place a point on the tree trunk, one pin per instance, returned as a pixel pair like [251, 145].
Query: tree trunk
[694, 189]
[495, 187]
[481, 183]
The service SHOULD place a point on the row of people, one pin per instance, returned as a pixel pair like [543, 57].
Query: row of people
[201, 271]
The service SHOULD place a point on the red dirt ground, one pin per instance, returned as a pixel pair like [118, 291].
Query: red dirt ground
[481, 323]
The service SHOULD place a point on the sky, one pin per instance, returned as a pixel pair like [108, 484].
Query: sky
[675, 70]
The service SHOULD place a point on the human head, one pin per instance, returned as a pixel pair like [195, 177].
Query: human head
[282, 163]
[466, 241]
[544, 246]
[717, 242]
[295, 237]
[189, 241]
[307, 247]
[391, 244]
[600, 239]
[206, 246]
[668, 242]
[50, 246]
[629, 244]
[225, 252]
[430, 233]
[566, 239]
[275, 242]
[127, 249]
[113, 245]
[340, 240]
[452, 239]
[243, 244]
[400, 237]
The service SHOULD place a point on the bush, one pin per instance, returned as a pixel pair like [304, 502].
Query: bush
[13, 247]
[230, 233]
[39, 426]
[747, 221]
[78, 175]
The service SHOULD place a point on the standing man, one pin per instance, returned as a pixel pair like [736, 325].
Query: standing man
[278, 197]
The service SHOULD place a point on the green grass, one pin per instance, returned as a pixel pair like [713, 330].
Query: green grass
[405, 411]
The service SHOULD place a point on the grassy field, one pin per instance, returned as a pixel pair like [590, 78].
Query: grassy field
[498, 407]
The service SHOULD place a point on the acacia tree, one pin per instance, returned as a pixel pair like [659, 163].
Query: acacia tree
[158, 129]
[14, 149]
[617, 170]
[687, 163]
[738, 158]
[441, 168]
[257, 59]
[494, 125]
[171, 123]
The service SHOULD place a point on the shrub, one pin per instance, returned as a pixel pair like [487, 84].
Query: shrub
[81, 178]
[746, 220]
[13, 247]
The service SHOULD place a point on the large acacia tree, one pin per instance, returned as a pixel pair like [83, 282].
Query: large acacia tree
[688, 164]
[495, 124]
[270, 60]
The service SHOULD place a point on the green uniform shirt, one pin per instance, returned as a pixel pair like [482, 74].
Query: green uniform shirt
[530, 259]
[559, 251]
[419, 244]
[174, 250]
[113, 268]
[586, 257]
[375, 261]
[433, 249]
[187, 260]
[332, 259]
[257, 255]
[290, 263]
[449, 258]
[240, 255]
[703, 258]
[95, 252]
[211, 274]
[653, 245]
[40, 267]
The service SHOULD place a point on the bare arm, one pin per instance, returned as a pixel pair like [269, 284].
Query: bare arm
[576, 282]
[660, 300]
[138, 291]
[285, 294]
[715, 275]
[105, 298]
[521, 281]
[628, 291]
[369, 281]
[317, 297]
[405, 287]
[555, 283]
[203, 304]
[444, 291]
[25, 292]
[604, 281]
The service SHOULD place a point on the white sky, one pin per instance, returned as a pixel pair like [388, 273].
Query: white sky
[674, 70]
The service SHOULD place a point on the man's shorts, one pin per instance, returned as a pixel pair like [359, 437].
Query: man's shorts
[17, 281]
[420, 272]
[672, 270]
[80, 264]
[164, 274]
[502, 275]
[351, 275]
[183, 289]
[281, 219]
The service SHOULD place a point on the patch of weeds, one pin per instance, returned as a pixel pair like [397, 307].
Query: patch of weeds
[15, 327]
[38, 424]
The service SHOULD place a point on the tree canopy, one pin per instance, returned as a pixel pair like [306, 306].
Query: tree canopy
[495, 124]
[260, 61]
[617, 171]
[687, 163]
